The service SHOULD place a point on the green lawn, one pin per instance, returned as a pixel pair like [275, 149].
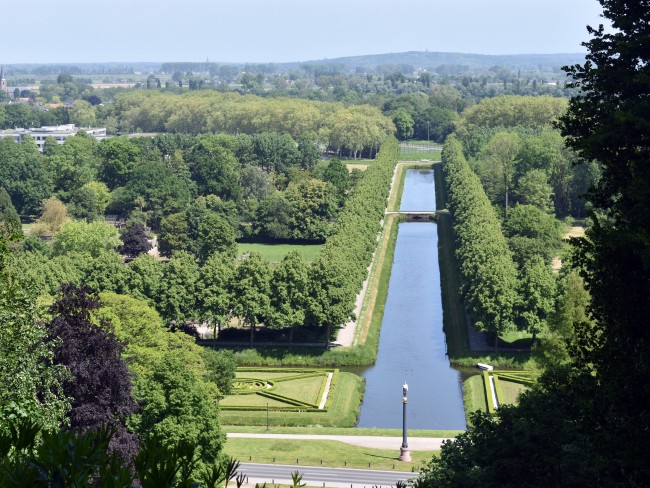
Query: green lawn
[305, 389]
[419, 155]
[474, 393]
[342, 410]
[290, 384]
[511, 391]
[275, 252]
[250, 401]
[312, 452]
[261, 429]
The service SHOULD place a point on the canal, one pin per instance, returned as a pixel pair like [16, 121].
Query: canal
[412, 345]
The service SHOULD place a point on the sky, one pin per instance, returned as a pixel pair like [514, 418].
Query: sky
[69, 31]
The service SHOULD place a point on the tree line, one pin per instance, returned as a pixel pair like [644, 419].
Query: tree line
[265, 186]
[206, 283]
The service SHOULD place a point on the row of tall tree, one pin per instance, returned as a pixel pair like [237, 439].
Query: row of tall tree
[205, 282]
[486, 265]
[340, 128]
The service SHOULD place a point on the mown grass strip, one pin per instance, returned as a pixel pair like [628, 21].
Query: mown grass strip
[491, 407]
[474, 396]
[361, 431]
[306, 452]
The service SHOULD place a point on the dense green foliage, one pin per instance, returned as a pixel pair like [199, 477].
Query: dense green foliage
[489, 273]
[586, 421]
[338, 273]
[339, 127]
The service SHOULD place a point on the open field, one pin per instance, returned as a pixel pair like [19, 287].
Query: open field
[275, 252]
[312, 452]
[342, 409]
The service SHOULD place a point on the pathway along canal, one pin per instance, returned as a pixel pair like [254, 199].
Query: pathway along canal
[412, 345]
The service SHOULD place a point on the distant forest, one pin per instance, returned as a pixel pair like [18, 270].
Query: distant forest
[435, 62]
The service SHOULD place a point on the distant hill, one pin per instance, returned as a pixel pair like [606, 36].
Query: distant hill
[436, 62]
[432, 60]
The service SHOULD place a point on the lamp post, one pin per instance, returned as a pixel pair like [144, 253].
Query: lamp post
[404, 452]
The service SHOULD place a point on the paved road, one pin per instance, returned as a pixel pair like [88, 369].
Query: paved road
[317, 476]
[371, 441]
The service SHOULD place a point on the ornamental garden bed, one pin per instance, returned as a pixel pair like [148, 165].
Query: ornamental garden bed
[292, 396]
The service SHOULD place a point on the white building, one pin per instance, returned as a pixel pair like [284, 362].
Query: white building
[59, 132]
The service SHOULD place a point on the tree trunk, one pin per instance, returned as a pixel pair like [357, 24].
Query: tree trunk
[252, 332]
[532, 342]
[328, 330]
[505, 182]
[291, 336]
[496, 342]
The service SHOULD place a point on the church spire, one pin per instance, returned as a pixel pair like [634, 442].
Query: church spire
[3, 82]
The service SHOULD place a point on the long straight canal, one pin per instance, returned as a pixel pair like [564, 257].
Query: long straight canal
[412, 345]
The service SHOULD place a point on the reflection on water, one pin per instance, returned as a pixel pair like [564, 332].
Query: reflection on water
[419, 190]
[412, 344]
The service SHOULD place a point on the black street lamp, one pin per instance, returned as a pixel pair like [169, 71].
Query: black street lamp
[404, 452]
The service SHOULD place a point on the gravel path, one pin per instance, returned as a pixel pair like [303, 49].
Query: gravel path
[326, 392]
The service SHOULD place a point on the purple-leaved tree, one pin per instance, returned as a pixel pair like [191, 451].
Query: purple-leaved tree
[100, 385]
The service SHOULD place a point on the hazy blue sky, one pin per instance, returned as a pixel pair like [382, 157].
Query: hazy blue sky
[287, 30]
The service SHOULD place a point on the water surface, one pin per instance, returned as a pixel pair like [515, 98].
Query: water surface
[412, 346]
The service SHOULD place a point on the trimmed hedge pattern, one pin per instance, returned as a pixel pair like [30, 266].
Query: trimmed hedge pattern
[521, 377]
[293, 404]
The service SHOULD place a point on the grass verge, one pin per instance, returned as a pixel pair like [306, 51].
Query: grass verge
[316, 453]
[342, 410]
[474, 396]
[261, 429]
[372, 309]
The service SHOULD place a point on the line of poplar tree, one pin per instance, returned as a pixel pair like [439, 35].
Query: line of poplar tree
[489, 274]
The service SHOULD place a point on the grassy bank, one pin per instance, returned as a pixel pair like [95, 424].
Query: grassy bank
[316, 453]
[372, 309]
[474, 396]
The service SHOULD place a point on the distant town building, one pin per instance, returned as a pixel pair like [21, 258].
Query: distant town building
[59, 132]
[3, 82]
